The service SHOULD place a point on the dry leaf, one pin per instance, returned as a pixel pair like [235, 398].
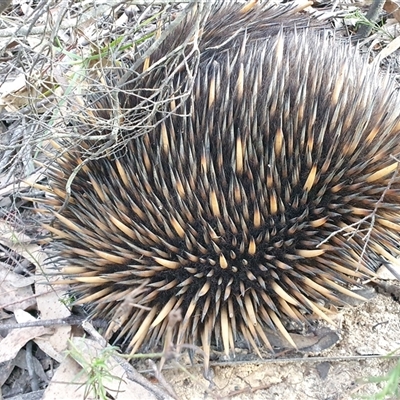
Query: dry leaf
[389, 49]
[50, 307]
[391, 7]
[48, 300]
[66, 383]
[15, 291]
[17, 338]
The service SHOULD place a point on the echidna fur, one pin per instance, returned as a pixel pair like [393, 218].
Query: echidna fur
[262, 197]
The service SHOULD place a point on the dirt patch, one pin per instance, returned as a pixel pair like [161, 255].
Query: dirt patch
[367, 331]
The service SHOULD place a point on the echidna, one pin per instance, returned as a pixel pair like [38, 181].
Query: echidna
[262, 192]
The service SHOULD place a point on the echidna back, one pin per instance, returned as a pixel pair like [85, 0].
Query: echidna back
[264, 187]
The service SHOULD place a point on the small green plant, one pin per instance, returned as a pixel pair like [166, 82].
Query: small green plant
[360, 19]
[390, 382]
[67, 299]
[96, 370]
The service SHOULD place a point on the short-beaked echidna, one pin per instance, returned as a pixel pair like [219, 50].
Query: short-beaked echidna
[267, 191]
